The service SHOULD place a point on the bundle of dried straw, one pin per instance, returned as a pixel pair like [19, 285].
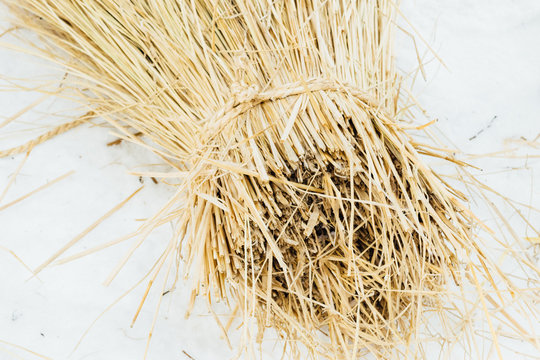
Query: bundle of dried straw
[301, 197]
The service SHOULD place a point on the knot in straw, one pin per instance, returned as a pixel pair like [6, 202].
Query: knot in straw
[242, 92]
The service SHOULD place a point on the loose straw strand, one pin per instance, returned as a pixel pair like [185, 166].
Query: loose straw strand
[60, 129]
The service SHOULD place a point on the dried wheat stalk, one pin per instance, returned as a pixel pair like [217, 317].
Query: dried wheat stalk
[301, 197]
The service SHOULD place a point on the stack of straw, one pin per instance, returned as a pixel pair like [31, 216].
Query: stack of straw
[300, 196]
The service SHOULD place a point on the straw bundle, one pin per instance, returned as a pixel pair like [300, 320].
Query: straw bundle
[300, 196]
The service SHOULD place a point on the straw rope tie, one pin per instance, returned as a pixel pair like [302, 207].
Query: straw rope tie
[246, 97]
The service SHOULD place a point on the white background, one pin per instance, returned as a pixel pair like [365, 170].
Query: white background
[492, 54]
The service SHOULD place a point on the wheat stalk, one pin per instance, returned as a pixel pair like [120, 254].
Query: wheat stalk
[301, 196]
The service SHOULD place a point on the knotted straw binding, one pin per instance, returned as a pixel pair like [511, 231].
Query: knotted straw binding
[243, 98]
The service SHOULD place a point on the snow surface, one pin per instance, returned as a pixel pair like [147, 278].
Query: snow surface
[489, 92]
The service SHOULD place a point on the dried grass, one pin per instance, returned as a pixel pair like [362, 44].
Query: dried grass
[301, 197]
